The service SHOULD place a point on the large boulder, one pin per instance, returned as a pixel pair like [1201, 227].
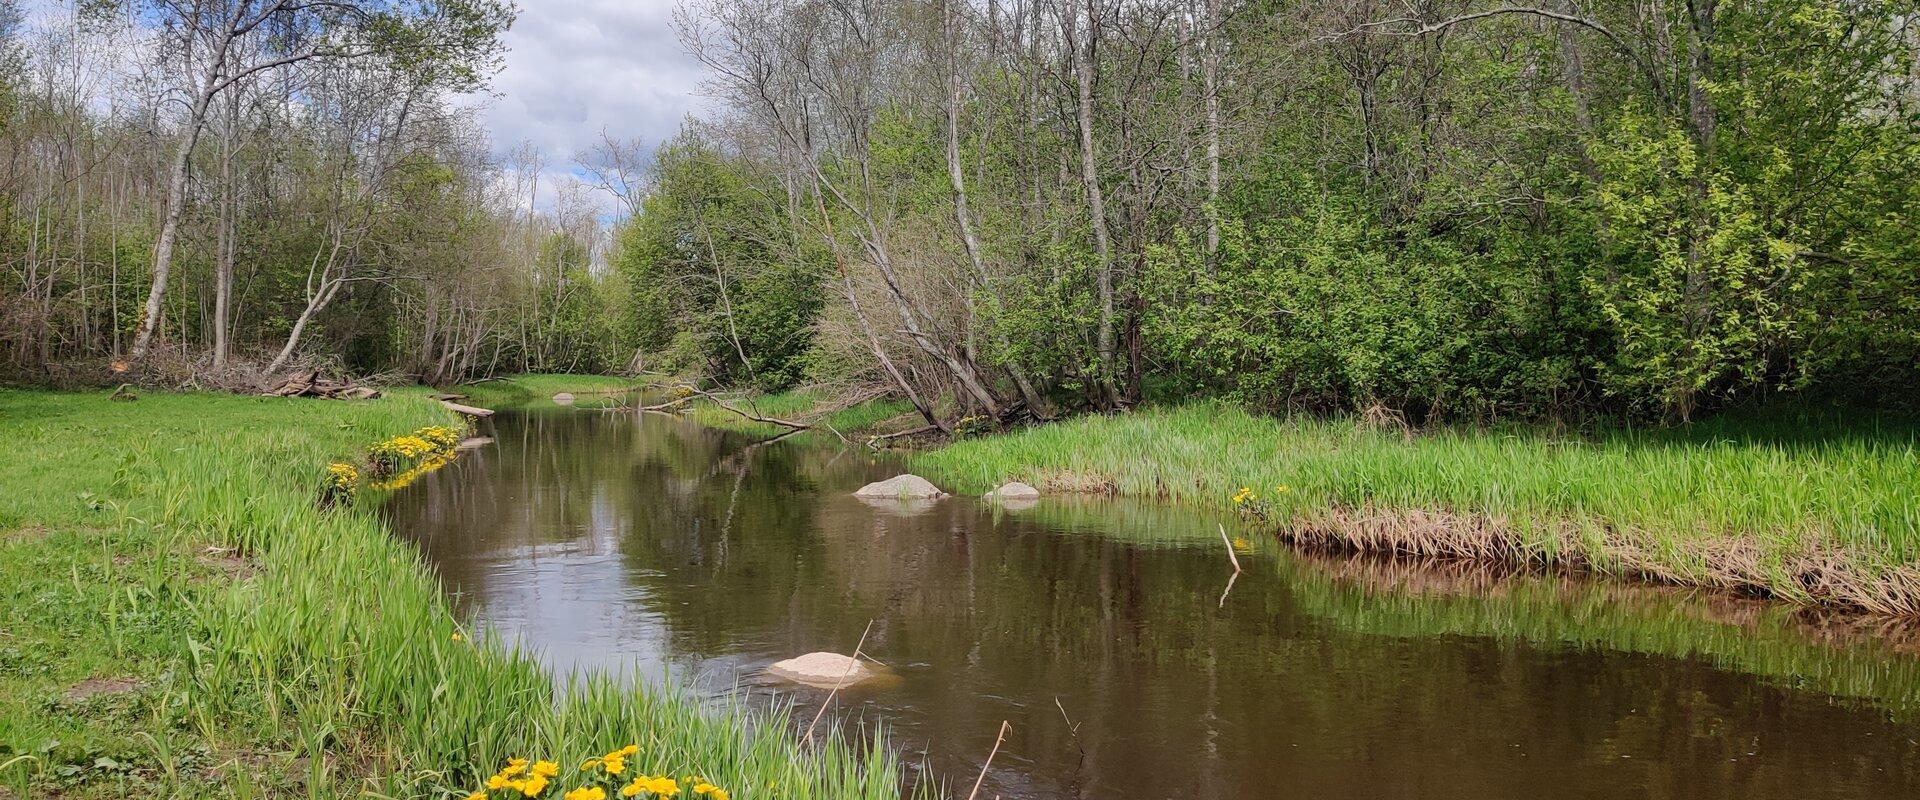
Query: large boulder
[823, 670]
[903, 487]
[1013, 490]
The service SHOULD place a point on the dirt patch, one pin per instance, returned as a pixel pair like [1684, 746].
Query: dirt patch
[233, 567]
[1069, 482]
[99, 687]
[28, 535]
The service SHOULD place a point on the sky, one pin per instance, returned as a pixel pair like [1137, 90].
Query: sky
[577, 67]
[573, 69]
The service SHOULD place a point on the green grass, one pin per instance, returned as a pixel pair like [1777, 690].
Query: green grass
[272, 649]
[522, 389]
[1788, 484]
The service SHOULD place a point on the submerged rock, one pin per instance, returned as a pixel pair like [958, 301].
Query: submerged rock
[903, 487]
[824, 670]
[1013, 490]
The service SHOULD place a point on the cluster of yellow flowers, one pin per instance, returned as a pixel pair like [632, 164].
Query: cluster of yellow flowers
[596, 776]
[427, 449]
[401, 480]
[519, 776]
[1247, 495]
[344, 476]
[444, 439]
[343, 480]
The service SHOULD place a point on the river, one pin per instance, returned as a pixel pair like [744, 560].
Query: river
[1106, 633]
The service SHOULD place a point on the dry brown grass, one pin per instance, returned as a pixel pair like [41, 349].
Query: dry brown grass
[1819, 575]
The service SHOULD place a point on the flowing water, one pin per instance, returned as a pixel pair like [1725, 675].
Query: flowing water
[1105, 633]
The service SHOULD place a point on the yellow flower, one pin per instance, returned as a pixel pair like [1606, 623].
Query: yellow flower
[587, 793]
[615, 765]
[630, 750]
[514, 767]
[662, 786]
[497, 782]
[532, 787]
[458, 637]
[477, 796]
[1282, 488]
[546, 769]
[703, 787]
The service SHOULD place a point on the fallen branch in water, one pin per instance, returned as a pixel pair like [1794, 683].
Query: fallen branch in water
[715, 399]
[886, 437]
[1230, 554]
[996, 751]
[662, 408]
[852, 663]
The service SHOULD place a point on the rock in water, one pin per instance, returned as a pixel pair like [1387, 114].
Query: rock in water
[904, 487]
[824, 670]
[563, 398]
[1013, 490]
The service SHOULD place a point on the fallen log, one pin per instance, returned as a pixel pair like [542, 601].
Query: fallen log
[715, 399]
[310, 384]
[470, 411]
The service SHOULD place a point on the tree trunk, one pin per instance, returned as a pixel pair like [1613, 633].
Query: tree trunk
[170, 225]
[1210, 85]
[1082, 58]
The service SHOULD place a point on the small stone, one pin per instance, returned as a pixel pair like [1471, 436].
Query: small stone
[825, 670]
[1013, 490]
[903, 487]
[563, 398]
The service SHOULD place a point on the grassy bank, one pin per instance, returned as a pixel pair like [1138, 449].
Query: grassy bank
[520, 389]
[182, 619]
[1813, 508]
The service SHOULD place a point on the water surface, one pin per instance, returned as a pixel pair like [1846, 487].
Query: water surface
[1105, 634]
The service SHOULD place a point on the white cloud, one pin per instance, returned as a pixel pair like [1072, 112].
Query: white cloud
[577, 67]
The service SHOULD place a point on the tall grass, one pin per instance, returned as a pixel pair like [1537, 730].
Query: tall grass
[1783, 487]
[334, 642]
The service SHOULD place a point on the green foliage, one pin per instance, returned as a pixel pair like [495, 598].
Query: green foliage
[715, 270]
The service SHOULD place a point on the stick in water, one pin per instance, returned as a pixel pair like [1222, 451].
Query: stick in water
[852, 664]
[1229, 542]
[996, 751]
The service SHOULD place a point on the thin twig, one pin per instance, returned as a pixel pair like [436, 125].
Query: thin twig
[1230, 554]
[984, 767]
[852, 664]
[799, 426]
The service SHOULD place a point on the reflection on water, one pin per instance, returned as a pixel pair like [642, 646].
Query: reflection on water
[669, 551]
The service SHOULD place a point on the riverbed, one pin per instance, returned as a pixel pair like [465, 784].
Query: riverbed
[1117, 643]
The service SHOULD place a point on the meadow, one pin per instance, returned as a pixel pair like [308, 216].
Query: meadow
[184, 618]
[1810, 506]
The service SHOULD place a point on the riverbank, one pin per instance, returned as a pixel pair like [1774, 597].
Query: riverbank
[1821, 509]
[1810, 506]
[184, 619]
